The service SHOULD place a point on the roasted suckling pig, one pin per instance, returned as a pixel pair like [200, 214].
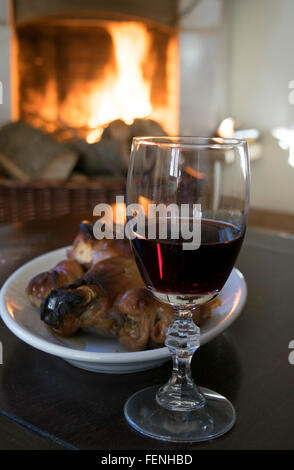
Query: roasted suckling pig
[87, 250]
[90, 300]
[40, 286]
[144, 320]
[99, 286]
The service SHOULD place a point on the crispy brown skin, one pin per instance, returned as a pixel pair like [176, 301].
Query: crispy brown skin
[65, 272]
[202, 314]
[145, 320]
[110, 296]
[73, 306]
[88, 251]
[90, 301]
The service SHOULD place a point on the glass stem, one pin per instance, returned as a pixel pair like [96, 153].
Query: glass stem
[182, 339]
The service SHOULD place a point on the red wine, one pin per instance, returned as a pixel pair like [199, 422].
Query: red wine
[167, 268]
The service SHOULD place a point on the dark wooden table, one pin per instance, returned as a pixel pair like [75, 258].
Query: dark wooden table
[45, 403]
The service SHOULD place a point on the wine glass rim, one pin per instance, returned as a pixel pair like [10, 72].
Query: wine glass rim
[189, 141]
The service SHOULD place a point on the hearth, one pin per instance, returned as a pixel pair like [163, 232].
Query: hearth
[79, 71]
[95, 73]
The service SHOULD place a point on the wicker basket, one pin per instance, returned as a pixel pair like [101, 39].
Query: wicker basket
[21, 201]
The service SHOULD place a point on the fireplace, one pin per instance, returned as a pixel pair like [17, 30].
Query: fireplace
[192, 54]
[77, 71]
[65, 70]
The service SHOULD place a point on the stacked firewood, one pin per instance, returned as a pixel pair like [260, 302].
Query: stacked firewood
[111, 154]
[28, 154]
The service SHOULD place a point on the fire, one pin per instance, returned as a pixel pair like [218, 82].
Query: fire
[126, 88]
[119, 213]
[119, 210]
[192, 172]
[144, 203]
[124, 94]
[125, 91]
[94, 135]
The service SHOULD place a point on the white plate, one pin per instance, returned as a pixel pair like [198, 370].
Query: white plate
[87, 350]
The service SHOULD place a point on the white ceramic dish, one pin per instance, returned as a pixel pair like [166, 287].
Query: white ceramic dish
[87, 350]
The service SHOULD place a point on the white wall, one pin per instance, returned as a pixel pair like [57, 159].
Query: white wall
[261, 58]
[201, 67]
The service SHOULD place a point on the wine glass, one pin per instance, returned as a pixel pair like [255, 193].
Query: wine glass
[185, 251]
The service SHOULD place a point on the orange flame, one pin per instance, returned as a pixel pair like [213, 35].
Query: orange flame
[124, 90]
[144, 203]
[119, 213]
[126, 94]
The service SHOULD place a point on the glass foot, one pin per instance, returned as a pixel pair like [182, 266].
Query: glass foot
[214, 418]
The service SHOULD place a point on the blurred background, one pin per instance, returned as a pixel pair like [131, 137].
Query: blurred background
[79, 79]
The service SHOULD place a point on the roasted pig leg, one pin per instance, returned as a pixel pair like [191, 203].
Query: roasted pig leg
[65, 272]
[73, 306]
[88, 251]
[141, 320]
[144, 320]
[91, 300]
